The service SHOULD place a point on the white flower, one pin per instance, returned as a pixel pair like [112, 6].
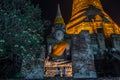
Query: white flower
[1, 50]
[16, 45]
[2, 41]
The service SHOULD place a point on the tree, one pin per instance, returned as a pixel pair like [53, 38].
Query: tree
[21, 29]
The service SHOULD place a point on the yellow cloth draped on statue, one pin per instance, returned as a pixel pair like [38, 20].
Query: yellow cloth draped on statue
[59, 49]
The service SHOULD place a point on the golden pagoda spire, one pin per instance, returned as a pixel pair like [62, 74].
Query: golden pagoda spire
[59, 18]
[79, 5]
[89, 15]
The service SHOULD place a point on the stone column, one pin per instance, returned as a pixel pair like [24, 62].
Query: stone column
[82, 56]
[101, 41]
[116, 41]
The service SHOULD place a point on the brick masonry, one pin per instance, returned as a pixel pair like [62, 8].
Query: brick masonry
[82, 56]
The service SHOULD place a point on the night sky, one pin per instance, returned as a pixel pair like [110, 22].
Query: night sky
[49, 8]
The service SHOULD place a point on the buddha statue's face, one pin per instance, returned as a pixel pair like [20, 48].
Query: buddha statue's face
[59, 35]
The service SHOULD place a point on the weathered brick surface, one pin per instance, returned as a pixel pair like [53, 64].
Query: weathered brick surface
[82, 56]
[116, 41]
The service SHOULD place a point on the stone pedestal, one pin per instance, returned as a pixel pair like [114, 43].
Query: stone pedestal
[51, 67]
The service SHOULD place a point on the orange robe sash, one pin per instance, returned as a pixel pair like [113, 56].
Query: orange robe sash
[59, 49]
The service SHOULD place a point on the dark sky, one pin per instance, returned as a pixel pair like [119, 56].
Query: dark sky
[49, 8]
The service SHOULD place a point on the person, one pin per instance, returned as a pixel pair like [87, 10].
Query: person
[57, 72]
[64, 72]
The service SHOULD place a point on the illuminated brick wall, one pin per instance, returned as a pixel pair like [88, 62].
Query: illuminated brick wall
[51, 66]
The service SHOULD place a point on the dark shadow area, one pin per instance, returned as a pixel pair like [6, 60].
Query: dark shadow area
[108, 65]
[10, 66]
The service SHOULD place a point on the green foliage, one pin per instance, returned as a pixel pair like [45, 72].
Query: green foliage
[1, 46]
[21, 26]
